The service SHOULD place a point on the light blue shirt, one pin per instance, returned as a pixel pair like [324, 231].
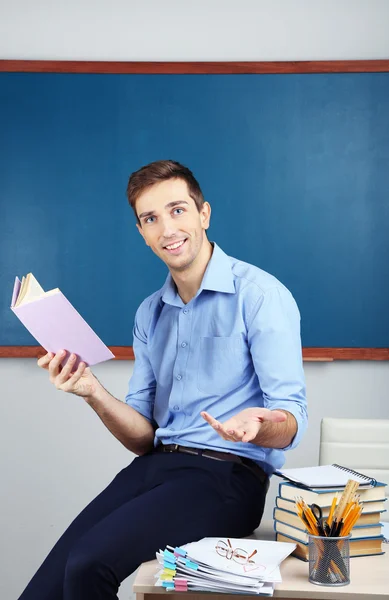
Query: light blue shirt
[235, 345]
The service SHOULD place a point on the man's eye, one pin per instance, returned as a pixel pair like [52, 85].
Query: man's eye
[149, 219]
[178, 209]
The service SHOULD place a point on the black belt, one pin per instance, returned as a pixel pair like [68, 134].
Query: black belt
[216, 455]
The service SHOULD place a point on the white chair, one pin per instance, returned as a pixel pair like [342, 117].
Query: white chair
[359, 444]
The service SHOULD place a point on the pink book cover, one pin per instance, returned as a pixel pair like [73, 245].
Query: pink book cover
[57, 325]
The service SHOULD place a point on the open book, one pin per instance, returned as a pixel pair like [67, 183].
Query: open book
[55, 323]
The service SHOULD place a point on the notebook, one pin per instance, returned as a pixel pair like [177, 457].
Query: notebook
[55, 323]
[325, 476]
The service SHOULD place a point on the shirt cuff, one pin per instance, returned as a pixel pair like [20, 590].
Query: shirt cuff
[143, 408]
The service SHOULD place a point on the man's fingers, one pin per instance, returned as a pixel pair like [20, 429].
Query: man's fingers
[239, 430]
[246, 434]
[44, 361]
[63, 376]
[228, 433]
[218, 427]
[54, 366]
[236, 435]
[210, 419]
[74, 377]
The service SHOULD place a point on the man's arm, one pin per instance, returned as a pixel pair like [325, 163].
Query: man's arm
[131, 422]
[131, 425]
[133, 430]
[275, 346]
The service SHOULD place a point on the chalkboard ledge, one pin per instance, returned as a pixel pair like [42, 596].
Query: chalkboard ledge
[309, 354]
[192, 67]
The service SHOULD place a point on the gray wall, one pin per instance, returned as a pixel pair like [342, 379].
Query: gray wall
[55, 453]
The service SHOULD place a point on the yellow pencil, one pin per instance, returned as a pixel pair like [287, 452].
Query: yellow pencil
[353, 519]
[332, 509]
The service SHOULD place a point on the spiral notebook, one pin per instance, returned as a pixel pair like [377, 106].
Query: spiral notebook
[325, 476]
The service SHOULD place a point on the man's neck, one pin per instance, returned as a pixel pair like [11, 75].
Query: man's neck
[188, 282]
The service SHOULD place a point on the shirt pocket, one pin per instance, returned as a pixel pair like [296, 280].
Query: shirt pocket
[220, 365]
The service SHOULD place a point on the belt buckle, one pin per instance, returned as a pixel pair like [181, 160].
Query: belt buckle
[175, 448]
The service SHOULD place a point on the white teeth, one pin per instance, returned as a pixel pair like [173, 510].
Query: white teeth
[174, 246]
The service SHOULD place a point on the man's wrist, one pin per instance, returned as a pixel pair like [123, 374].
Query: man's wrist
[277, 435]
[97, 396]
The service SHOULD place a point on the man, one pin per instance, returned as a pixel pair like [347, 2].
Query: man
[216, 397]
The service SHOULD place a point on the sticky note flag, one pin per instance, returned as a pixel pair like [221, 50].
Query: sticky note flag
[169, 555]
[179, 552]
[191, 565]
[181, 587]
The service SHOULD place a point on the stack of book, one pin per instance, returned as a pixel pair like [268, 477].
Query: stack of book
[367, 533]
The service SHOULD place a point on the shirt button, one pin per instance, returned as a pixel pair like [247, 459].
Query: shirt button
[176, 407]
[183, 344]
[179, 377]
[186, 311]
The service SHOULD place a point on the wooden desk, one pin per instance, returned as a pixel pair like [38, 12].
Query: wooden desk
[369, 581]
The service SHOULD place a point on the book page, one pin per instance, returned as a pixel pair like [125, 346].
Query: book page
[21, 291]
[44, 295]
[32, 290]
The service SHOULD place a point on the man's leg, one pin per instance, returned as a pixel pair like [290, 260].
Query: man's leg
[192, 497]
[47, 583]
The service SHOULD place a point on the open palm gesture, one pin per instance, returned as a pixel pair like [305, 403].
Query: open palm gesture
[245, 426]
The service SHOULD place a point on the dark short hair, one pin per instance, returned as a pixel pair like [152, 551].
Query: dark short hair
[162, 170]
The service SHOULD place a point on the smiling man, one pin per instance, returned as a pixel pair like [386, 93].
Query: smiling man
[216, 397]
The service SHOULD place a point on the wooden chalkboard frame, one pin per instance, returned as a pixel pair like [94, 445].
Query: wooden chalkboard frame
[333, 66]
[181, 68]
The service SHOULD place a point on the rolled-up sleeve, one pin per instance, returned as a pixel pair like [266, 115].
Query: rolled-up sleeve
[275, 345]
[142, 384]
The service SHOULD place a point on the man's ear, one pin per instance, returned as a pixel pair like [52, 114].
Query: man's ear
[205, 215]
[139, 227]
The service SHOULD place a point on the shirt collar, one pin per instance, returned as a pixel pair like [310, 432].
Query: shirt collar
[218, 277]
[218, 274]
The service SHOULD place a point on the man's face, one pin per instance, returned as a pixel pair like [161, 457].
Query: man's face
[171, 224]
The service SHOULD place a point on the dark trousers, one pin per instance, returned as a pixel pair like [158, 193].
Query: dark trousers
[158, 499]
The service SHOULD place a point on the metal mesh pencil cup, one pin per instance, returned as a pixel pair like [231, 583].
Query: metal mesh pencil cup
[329, 560]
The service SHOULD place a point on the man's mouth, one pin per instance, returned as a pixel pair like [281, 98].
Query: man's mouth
[175, 248]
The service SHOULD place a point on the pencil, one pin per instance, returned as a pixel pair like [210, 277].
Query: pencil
[332, 509]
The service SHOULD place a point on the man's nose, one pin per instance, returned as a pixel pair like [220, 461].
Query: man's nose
[168, 228]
